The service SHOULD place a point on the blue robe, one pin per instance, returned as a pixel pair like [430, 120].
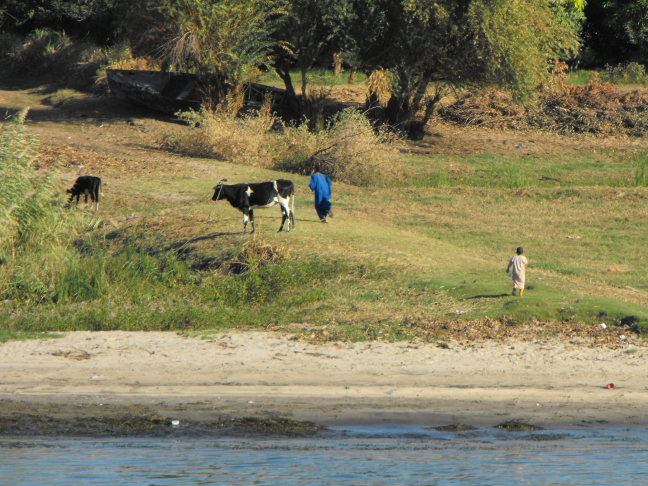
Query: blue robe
[323, 188]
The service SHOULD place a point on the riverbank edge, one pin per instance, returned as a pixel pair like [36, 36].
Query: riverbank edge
[197, 416]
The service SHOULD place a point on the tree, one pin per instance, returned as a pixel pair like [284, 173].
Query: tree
[224, 38]
[507, 42]
[310, 29]
[617, 31]
[96, 19]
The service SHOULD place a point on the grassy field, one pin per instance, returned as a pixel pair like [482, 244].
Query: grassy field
[433, 247]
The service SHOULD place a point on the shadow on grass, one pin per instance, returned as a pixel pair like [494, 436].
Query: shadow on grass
[105, 108]
[184, 250]
[487, 296]
[178, 245]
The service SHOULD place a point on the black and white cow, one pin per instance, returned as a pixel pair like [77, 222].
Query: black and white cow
[86, 186]
[247, 197]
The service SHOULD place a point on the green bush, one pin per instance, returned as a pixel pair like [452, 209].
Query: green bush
[628, 73]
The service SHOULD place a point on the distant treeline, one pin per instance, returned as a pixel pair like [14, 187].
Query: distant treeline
[613, 32]
[406, 47]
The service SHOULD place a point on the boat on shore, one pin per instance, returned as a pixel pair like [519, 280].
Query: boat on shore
[170, 91]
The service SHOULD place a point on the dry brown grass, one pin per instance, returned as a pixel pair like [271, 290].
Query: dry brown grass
[379, 86]
[224, 135]
[350, 150]
[127, 61]
[355, 153]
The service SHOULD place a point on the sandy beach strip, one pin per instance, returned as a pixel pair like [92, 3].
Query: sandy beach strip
[243, 374]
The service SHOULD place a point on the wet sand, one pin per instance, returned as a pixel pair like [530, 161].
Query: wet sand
[235, 375]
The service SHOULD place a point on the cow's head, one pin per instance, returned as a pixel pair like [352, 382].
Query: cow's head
[218, 190]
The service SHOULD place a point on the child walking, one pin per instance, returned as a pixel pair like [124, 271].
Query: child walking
[517, 268]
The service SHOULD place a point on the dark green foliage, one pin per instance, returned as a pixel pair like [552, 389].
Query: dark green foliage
[504, 42]
[616, 31]
[99, 20]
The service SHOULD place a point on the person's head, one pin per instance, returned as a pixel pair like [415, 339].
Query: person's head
[519, 250]
[316, 169]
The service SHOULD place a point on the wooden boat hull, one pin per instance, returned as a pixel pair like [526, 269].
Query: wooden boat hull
[167, 92]
[171, 92]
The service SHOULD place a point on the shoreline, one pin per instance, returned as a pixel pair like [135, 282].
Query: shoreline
[128, 376]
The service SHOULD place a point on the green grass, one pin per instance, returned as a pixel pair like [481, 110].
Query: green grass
[493, 170]
[630, 75]
[316, 77]
[6, 335]
[435, 247]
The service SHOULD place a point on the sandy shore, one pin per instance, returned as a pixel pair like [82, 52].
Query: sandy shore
[270, 374]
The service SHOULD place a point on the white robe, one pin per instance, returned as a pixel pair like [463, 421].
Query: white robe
[517, 265]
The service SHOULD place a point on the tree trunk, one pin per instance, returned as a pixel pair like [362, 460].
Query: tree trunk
[292, 100]
[304, 80]
[337, 63]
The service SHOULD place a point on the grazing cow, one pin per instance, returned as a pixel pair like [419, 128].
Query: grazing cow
[247, 197]
[86, 186]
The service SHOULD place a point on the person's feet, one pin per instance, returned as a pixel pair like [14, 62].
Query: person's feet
[323, 220]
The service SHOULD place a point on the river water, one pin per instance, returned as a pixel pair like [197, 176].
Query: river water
[359, 455]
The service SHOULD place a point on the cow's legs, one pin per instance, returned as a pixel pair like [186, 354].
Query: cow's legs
[252, 220]
[286, 213]
[246, 218]
[284, 216]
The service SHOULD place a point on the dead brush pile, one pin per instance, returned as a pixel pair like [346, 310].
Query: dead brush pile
[597, 108]
[491, 108]
[255, 254]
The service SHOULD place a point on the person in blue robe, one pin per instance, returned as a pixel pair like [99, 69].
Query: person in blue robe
[322, 186]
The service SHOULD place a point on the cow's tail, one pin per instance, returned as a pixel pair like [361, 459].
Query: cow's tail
[290, 190]
[292, 209]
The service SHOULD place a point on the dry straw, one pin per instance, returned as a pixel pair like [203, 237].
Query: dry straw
[350, 149]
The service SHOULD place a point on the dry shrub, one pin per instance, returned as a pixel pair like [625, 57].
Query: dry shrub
[379, 86]
[355, 153]
[223, 135]
[349, 150]
[255, 254]
[119, 56]
[598, 108]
